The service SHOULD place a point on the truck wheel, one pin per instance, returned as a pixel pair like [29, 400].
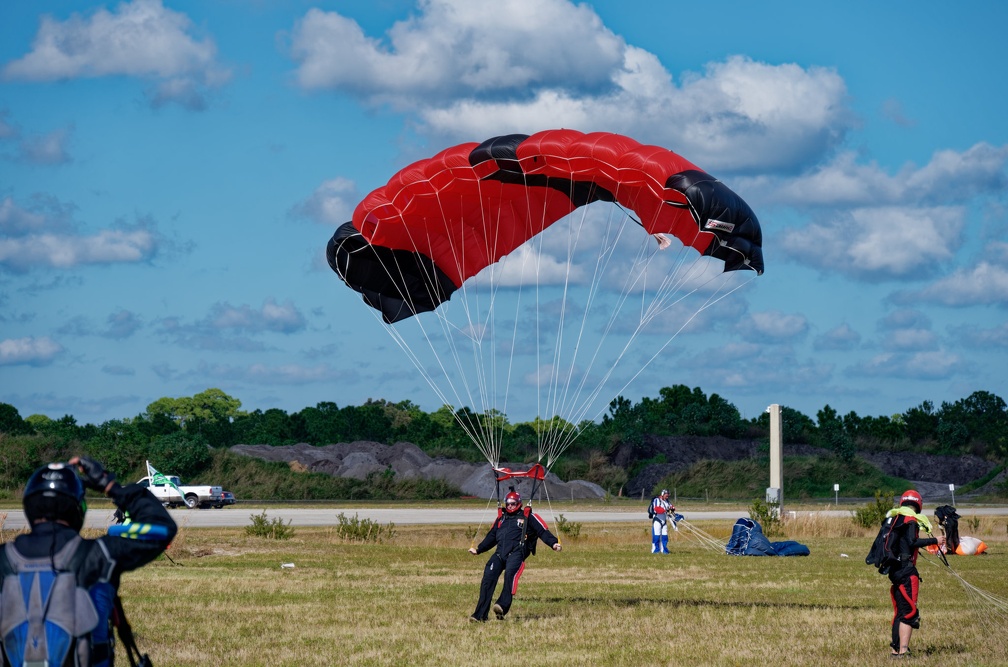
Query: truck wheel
[192, 502]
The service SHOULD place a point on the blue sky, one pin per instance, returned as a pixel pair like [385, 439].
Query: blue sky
[171, 171]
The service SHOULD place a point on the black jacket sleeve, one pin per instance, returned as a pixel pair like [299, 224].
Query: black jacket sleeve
[143, 508]
[542, 532]
[490, 540]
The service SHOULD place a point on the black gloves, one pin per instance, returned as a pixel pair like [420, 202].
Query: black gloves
[94, 474]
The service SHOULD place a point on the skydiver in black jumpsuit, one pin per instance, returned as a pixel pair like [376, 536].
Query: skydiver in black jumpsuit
[506, 533]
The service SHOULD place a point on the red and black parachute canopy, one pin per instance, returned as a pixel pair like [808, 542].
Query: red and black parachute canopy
[440, 221]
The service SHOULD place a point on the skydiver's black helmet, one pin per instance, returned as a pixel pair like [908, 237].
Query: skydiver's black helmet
[55, 493]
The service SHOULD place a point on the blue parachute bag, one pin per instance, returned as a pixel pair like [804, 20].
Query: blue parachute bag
[747, 539]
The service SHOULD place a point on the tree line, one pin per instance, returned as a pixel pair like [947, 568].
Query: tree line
[181, 434]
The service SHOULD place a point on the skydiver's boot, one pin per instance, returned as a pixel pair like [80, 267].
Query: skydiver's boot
[498, 612]
[664, 544]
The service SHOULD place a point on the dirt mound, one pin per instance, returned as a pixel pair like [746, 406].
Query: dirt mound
[359, 459]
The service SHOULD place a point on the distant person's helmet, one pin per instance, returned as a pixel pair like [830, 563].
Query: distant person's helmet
[512, 502]
[664, 492]
[55, 493]
[911, 497]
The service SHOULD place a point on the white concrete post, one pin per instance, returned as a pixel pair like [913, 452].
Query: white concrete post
[775, 494]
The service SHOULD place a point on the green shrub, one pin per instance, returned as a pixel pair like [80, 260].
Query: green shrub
[568, 528]
[767, 515]
[274, 530]
[362, 530]
[874, 513]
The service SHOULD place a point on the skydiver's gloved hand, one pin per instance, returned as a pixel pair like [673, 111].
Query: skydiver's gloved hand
[93, 473]
[557, 547]
[472, 550]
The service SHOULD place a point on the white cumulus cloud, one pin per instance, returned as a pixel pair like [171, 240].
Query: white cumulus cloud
[471, 69]
[138, 39]
[28, 351]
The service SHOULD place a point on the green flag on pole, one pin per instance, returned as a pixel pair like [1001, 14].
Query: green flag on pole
[160, 479]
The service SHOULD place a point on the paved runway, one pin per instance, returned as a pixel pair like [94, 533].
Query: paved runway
[241, 516]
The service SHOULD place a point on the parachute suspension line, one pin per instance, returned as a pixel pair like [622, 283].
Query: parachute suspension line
[476, 330]
[667, 342]
[987, 607]
[556, 432]
[613, 233]
[705, 539]
[486, 510]
[560, 436]
[663, 300]
[486, 446]
[548, 435]
[467, 428]
[400, 340]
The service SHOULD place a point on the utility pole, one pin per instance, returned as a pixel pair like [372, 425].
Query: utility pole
[775, 492]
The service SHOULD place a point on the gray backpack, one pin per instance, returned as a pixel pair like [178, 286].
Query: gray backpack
[46, 618]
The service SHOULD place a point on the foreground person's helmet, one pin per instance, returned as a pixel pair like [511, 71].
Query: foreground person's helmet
[512, 501]
[911, 497]
[55, 493]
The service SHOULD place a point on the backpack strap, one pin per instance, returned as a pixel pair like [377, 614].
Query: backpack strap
[5, 565]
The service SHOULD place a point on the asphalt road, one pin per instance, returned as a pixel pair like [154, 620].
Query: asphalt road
[239, 516]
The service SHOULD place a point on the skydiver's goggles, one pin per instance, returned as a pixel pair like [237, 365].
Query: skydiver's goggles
[512, 503]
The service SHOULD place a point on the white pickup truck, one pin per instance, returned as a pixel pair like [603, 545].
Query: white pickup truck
[191, 496]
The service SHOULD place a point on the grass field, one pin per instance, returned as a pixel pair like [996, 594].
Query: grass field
[605, 600]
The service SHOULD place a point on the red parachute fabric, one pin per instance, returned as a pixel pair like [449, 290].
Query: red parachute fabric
[469, 205]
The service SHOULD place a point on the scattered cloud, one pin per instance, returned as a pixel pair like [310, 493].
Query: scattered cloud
[464, 76]
[776, 325]
[48, 149]
[893, 109]
[840, 338]
[29, 351]
[118, 371]
[879, 243]
[844, 180]
[983, 284]
[127, 245]
[284, 374]
[528, 266]
[140, 39]
[974, 337]
[332, 203]
[122, 324]
[45, 236]
[280, 318]
[924, 365]
[228, 327]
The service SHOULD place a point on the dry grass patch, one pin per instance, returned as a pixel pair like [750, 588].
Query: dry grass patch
[605, 600]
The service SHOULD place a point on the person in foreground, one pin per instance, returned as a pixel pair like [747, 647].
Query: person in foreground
[515, 534]
[58, 591]
[904, 577]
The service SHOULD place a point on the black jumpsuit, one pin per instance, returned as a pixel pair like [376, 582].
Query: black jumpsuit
[905, 579]
[509, 558]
